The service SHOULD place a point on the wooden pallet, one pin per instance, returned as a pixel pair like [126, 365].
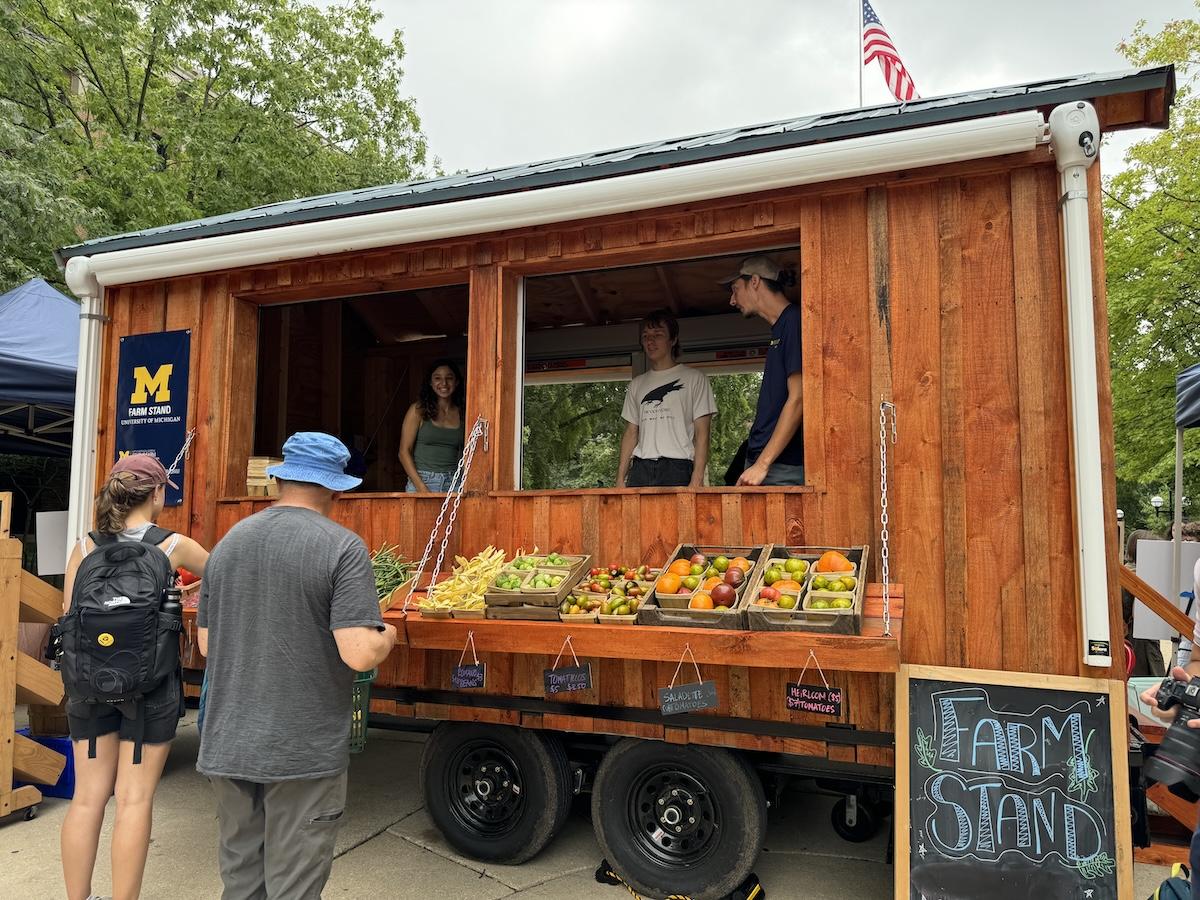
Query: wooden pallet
[23, 679]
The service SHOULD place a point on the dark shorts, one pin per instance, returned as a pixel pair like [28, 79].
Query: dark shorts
[661, 472]
[163, 709]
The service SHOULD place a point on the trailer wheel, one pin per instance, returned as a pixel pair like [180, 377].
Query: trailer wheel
[496, 793]
[561, 767]
[678, 820]
[856, 826]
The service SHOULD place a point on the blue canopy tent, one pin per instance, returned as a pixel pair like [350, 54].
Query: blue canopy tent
[39, 350]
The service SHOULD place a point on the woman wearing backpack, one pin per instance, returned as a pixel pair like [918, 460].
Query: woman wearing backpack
[129, 753]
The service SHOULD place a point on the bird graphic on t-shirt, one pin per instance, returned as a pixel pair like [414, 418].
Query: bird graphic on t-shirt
[659, 394]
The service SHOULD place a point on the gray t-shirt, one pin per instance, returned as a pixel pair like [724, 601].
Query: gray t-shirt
[278, 700]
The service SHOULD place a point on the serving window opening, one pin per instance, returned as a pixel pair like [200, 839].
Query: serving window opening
[582, 347]
[352, 367]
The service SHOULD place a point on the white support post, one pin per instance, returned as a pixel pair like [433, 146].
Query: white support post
[87, 398]
[1075, 140]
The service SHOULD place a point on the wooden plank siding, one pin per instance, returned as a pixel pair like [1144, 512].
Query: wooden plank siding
[938, 289]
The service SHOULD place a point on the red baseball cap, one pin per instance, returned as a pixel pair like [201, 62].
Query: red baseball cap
[145, 466]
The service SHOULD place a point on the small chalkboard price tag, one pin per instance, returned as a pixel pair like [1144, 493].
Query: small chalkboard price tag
[674, 699]
[468, 677]
[822, 699]
[814, 698]
[682, 698]
[568, 678]
[465, 678]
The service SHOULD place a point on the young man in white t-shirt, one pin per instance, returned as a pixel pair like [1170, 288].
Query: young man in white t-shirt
[668, 411]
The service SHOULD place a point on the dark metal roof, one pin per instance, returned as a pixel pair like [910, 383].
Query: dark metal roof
[659, 154]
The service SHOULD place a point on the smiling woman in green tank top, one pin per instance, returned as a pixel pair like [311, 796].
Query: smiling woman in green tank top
[431, 439]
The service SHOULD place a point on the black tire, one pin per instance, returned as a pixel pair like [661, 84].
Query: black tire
[497, 794]
[866, 821]
[646, 788]
[561, 767]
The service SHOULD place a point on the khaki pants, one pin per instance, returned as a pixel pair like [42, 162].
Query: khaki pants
[277, 838]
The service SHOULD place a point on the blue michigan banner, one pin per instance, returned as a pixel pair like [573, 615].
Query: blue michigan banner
[152, 396]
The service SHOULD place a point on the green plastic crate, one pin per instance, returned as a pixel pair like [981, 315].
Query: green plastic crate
[360, 709]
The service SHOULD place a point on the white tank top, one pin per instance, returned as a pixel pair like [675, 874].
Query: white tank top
[133, 536]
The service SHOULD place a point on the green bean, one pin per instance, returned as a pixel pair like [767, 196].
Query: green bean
[391, 569]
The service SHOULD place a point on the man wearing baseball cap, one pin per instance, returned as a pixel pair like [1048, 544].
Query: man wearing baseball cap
[775, 448]
[288, 613]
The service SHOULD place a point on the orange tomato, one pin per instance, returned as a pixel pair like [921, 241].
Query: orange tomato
[681, 567]
[711, 583]
[740, 562]
[832, 561]
[787, 585]
[669, 583]
[700, 601]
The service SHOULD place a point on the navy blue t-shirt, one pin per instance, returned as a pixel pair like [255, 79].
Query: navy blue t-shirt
[783, 358]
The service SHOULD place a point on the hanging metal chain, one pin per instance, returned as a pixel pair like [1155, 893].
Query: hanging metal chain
[884, 409]
[453, 498]
[187, 443]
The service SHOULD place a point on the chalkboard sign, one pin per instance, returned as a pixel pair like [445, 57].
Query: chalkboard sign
[1005, 787]
[814, 698]
[568, 678]
[468, 677]
[687, 697]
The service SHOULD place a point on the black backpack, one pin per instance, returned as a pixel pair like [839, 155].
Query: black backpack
[117, 643]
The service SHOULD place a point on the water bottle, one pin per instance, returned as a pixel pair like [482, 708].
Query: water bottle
[171, 604]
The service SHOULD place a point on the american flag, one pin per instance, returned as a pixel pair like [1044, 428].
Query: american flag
[877, 44]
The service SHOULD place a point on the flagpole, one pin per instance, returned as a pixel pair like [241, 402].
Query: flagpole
[859, 53]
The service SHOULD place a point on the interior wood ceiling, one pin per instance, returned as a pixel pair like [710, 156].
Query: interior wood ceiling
[596, 297]
[609, 296]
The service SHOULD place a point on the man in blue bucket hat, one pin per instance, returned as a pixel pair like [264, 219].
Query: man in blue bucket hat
[287, 615]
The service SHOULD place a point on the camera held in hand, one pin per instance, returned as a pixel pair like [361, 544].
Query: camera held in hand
[1176, 762]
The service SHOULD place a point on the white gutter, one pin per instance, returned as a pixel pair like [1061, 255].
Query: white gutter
[1075, 140]
[87, 399]
[873, 154]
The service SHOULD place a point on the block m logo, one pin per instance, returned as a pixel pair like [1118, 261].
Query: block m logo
[157, 384]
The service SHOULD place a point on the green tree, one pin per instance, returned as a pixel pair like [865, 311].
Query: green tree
[1152, 254]
[121, 115]
[572, 432]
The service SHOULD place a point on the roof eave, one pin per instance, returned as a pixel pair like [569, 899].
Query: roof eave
[1154, 80]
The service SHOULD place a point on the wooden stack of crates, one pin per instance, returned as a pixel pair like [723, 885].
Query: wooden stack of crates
[23, 679]
[258, 482]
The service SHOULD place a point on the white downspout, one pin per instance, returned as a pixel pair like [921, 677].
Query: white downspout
[1075, 140]
[84, 285]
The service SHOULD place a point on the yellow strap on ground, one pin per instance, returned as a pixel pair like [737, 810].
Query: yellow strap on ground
[638, 896]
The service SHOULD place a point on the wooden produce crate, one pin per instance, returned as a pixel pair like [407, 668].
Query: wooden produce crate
[524, 612]
[527, 596]
[826, 621]
[672, 609]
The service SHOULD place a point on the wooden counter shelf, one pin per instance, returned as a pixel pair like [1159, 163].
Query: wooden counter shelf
[870, 651]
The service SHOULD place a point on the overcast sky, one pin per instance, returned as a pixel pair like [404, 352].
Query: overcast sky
[499, 82]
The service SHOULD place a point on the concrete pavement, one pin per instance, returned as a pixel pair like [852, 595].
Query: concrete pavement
[388, 847]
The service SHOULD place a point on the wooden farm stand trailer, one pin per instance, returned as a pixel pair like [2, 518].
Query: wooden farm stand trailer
[937, 271]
